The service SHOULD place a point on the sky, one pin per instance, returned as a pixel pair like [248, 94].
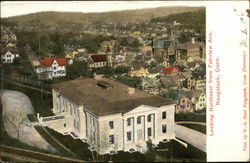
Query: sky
[15, 8]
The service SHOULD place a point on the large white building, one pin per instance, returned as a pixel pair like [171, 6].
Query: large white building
[110, 116]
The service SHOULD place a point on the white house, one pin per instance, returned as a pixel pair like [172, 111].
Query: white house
[8, 56]
[199, 100]
[51, 67]
[98, 60]
[196, 83]
[110, 116]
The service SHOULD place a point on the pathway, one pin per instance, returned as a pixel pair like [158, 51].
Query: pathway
[195, 138]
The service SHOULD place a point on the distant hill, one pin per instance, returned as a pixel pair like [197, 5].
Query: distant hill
[195, 17]
[118, 17]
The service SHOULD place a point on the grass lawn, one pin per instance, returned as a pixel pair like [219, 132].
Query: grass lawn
[190, 117]
[178, 153]
[75, 145]
[52, 142]
[196, 127]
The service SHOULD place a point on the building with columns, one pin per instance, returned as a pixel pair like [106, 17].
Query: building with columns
[110, 116]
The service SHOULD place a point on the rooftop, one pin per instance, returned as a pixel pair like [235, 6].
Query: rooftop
[49, 61]
[190, 45]
[101, 100]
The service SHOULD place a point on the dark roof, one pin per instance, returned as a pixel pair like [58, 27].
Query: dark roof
[99, 57]
[101, 101]
[190, 45]
[12, 51]
[163, 44]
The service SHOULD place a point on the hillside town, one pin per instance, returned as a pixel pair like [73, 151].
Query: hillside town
[128, 86]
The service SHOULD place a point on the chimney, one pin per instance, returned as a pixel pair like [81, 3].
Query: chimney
[193, 40]
[131, 91]
[97, 77]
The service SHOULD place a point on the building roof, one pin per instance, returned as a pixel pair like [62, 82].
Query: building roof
[99, 57]
[12, 51]
[169, 70]
[49, 61]
[162, 44]
[197, 94]
[102, 101]
[190, 45]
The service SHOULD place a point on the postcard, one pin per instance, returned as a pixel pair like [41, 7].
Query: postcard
[124, 81]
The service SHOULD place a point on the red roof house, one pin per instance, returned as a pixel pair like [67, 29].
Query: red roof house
[49, 61]
[99, 57]
[173, 70]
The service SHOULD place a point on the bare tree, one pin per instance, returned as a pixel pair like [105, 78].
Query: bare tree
[16, 119]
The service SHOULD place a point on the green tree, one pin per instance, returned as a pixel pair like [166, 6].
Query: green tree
[79, 68]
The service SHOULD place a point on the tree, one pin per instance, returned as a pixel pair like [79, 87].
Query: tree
[151, 153]
[122, 69]
[172, 94]
[16, 119]
[79, 68]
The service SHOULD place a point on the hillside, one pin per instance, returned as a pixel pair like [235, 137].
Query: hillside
[195, 17]
[118, 17]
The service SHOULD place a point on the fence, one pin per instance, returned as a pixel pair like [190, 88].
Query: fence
[46, 85]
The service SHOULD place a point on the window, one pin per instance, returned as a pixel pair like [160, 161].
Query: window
[139, 120]
[111, 139]
[70, 109]
[77, 125]
[164, 128]
[128, 121]
[149, 118]
[111, 124]
[149, 132]
[65, 125]
[93, 136]
[164, 115]
[74, 123]
[128, 135]
[54, 68]
[93, 122]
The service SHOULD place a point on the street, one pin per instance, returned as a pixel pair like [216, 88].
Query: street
[195, 138]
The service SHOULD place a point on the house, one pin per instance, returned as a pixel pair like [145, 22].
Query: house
[138, 72]
[195, 83]
[147, 50]
[98, 60]
[150, 85]
[51, 67]
[172, 82]
[173, 70]
[165, 48]
[184, 105]
[191, 50]
[8, 55]
[110, 116]
[119, 58]
[199, 100]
